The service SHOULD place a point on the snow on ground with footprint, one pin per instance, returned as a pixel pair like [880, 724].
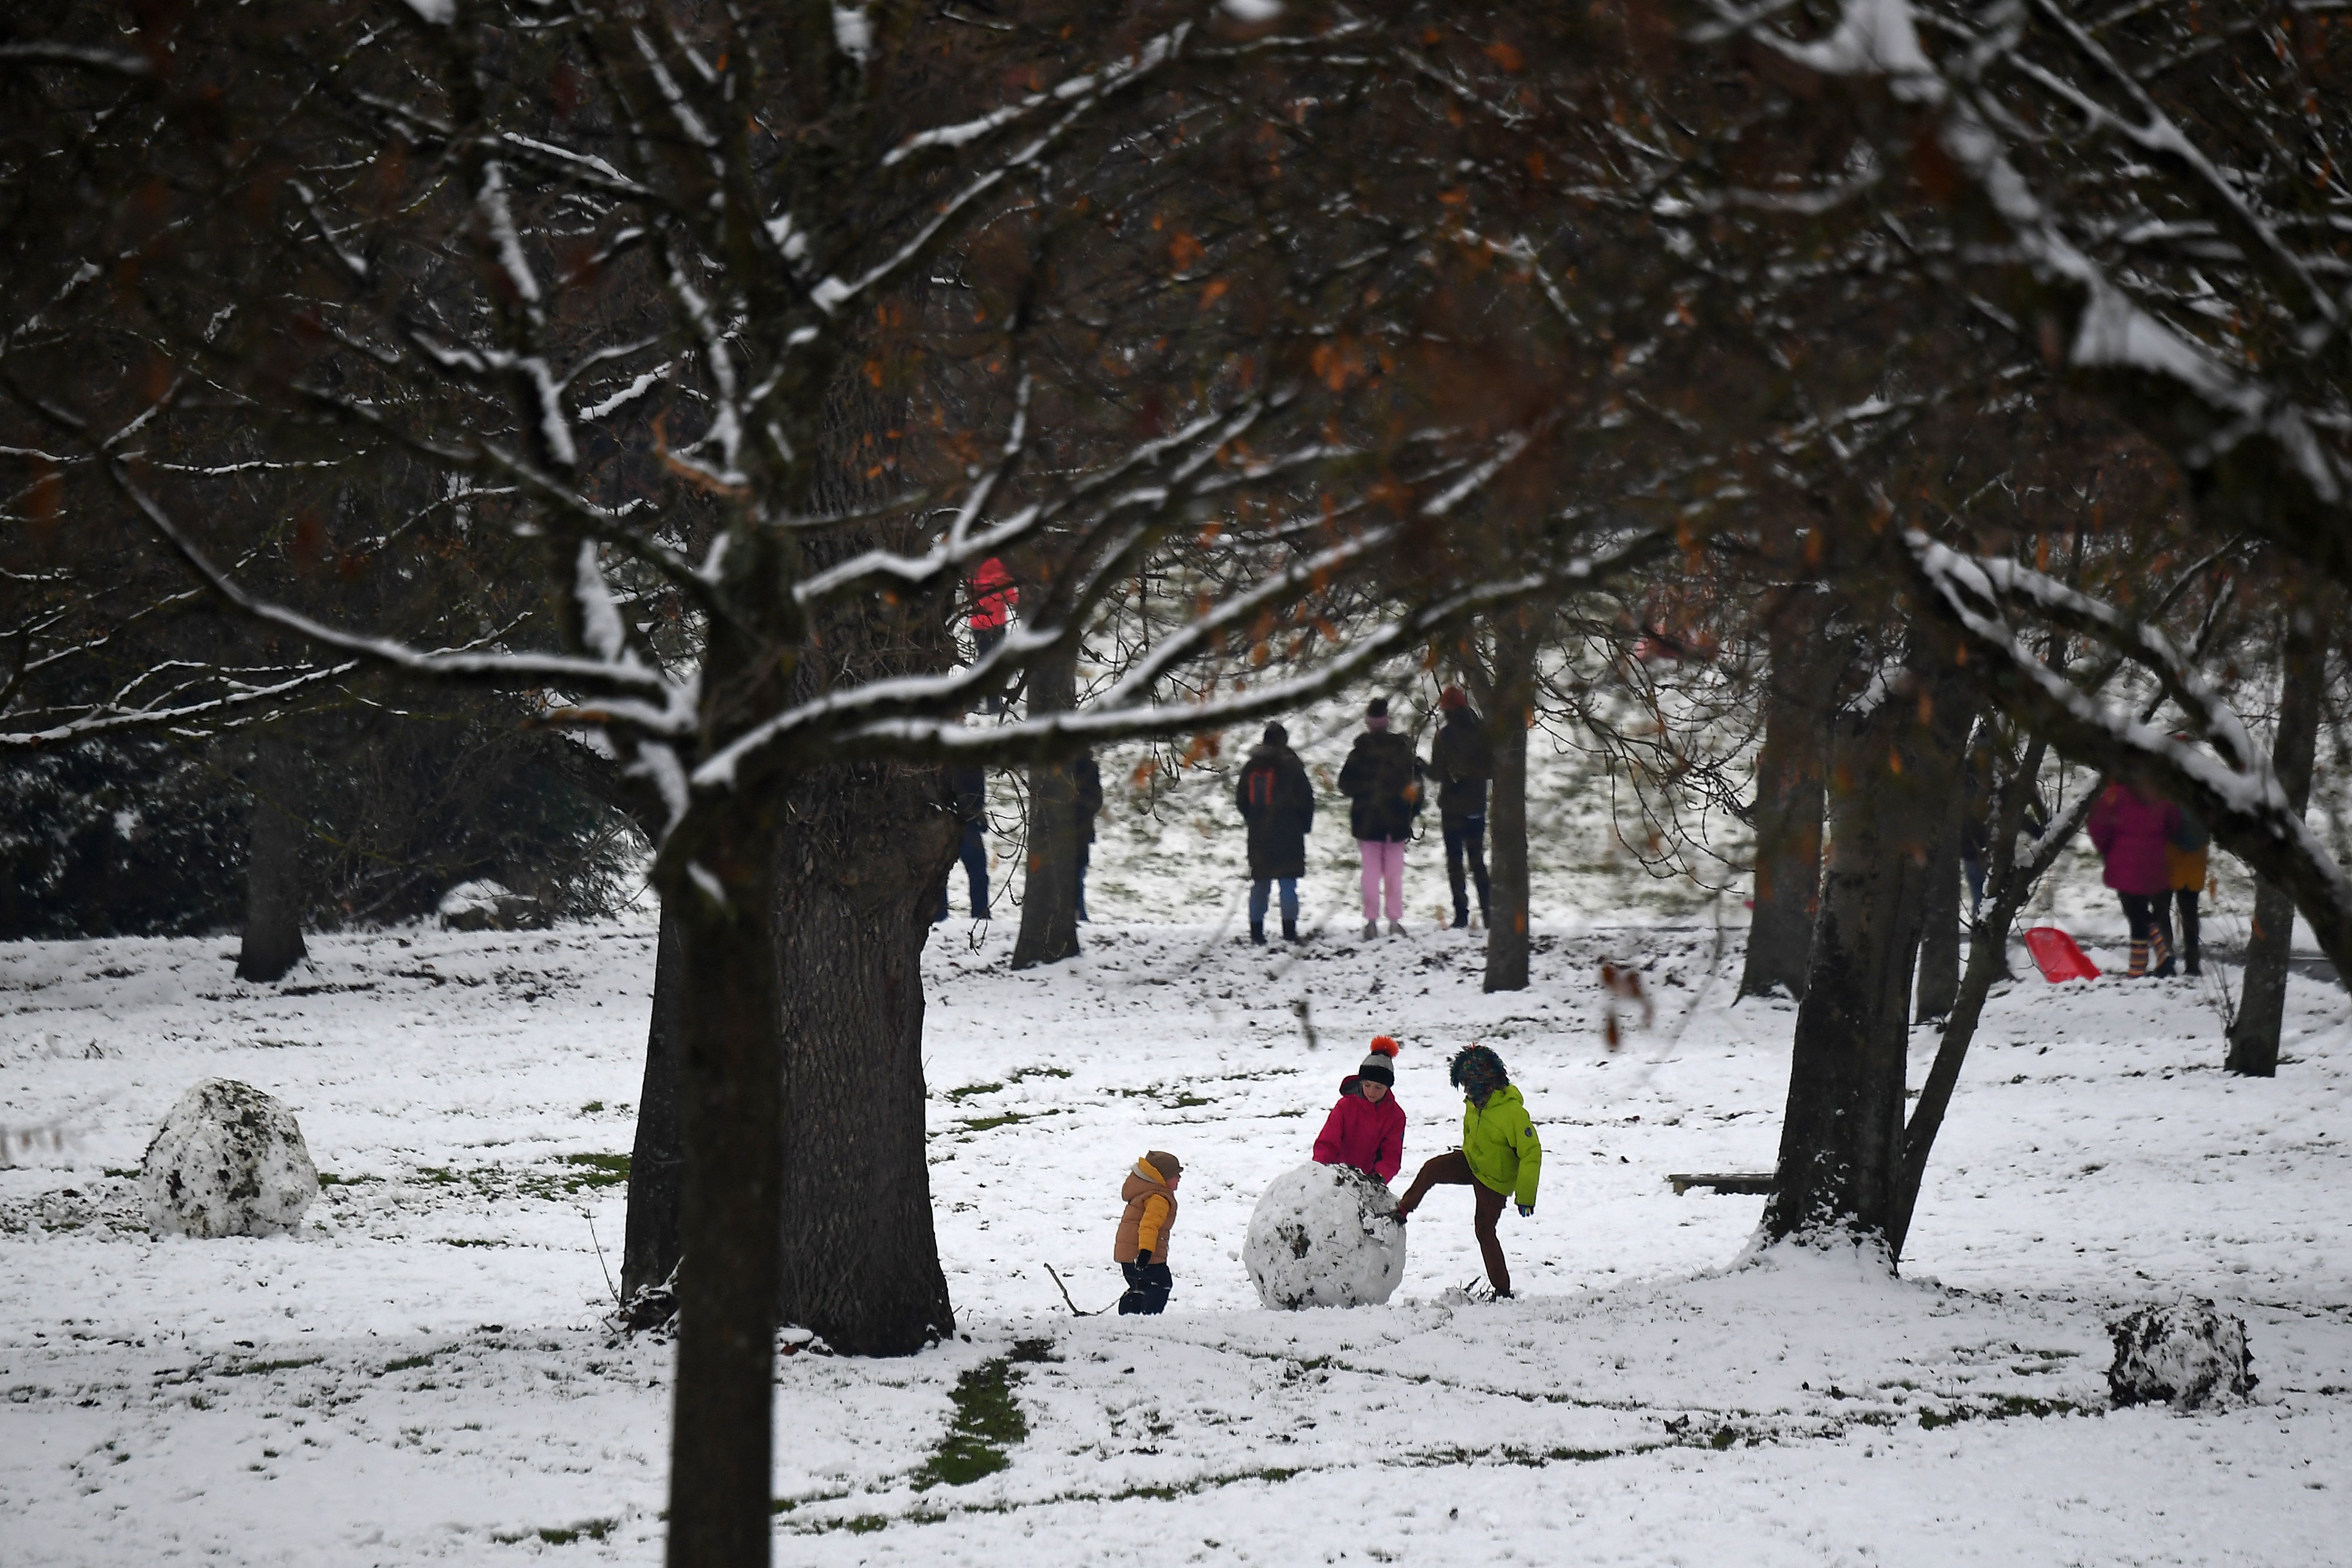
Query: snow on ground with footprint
[423, 1374]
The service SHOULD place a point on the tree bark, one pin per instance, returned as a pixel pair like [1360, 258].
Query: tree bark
[863, 850]
[731, 1113]
[2261, 998]
[1841, 1138]
[2007, 887]
[656, 1162]
[274, 880]
[1800, 684]
[1049, 898]
[1507, 818]
[1938, 984]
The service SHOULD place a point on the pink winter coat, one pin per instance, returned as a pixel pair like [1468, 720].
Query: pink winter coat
[2131, 834]
[1360, 1134]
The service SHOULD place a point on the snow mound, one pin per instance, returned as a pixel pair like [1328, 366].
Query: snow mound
[487, 906]
[228, 1161]
[2188, 1355]
[1325, 1235]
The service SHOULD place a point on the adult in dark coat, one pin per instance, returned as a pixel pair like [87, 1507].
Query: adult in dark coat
[1462, 761]
[970, 782]
[1277, 800]
[1383, 781]
[1087, 777]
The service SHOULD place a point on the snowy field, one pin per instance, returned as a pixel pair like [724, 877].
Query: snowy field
[423, 1373]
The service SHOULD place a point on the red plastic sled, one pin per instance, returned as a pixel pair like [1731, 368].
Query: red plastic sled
[2057, 955]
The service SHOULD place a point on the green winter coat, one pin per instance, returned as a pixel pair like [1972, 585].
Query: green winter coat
[1500, 1144]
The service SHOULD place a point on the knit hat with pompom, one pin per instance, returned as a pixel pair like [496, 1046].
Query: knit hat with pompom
[1381, 1065]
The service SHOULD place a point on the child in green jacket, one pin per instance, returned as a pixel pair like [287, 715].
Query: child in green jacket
[1499, 1158]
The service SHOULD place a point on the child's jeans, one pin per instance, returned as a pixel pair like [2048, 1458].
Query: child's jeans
[1262, 894]
[1148, 1285]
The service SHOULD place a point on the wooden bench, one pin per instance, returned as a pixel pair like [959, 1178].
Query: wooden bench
[1722, 1181]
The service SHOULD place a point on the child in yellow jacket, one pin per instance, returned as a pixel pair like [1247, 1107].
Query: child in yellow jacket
[1500, 1158]
[1140, 1249]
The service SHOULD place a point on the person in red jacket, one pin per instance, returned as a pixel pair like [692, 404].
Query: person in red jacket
[2131, 833]
[993, 595]
[1366, 1128]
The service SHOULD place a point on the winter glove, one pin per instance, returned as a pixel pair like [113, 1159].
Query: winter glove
[1526, 1209]
[1143, 1258]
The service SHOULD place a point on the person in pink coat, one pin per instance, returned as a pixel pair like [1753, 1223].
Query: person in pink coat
[2131, 833]
[1366, 1128]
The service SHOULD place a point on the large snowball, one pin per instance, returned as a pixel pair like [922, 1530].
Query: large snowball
[2186, 1354]
[228, 1161]
[1325, 1235]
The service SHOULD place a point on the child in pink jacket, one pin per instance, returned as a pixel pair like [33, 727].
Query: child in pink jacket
[1366, 1128]
[2131, 833]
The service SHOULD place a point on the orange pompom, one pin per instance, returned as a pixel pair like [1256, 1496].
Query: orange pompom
[1382, 1045]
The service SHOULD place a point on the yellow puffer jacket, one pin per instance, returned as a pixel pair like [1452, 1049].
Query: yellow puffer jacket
[1500, 1143]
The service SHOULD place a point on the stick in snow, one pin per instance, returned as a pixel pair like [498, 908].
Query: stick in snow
[1066, 1297]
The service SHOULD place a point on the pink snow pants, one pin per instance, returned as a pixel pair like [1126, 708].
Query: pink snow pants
[1384, 862]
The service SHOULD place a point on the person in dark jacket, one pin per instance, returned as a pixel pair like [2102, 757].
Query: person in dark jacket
[1462, 761]
[970, 782]
[1278, 802]
[1087, 777]
[1383, 781]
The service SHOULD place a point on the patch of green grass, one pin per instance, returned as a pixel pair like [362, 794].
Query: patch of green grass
[256, 1368]
[988, 1420]
[133, 1173]
[586, 1529]
[1020, 1074]
[972, 1091]
[599, 1170]
[2002, 1408]
[987, 1124]
[1183, 1102]
[329, 1178]
[409, 1363]
[471, 1241]
[591, 1108]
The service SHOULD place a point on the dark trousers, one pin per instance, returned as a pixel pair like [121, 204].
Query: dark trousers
[2186, 946]
[985, 640]
[1465, 840]
[2151, 919]
[1148, 1285]
[1086, 858]
[1453, 1170]
[975, 870]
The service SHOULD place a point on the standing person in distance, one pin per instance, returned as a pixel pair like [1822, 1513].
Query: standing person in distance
[1463, 762]
[1278, 803]
[2132, 833]
[993, 595]
[2185, 854]
[968, 780]
[1382, 783]
[1500, 1158]
[1365, 1130]
[1087, 775]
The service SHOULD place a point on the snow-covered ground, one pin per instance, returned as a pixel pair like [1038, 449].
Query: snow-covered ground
[422, 1373]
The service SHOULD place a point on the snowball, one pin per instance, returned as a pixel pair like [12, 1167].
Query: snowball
[1325, 1235]
[228, 1161]
[2188, 1354]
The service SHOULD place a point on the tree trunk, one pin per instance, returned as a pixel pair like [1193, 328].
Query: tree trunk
[1507, 820]
[731, 1113]
[1799, 687]
[2261, 998]
[274, 880]
[2007, 887]
[657, 1162]
[1049, 898]
[1938, 984]
[1841, 1138]
[863, 850]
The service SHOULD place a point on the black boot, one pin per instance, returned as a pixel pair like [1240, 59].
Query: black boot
[1257, 933]
[1461, 918]
[1289, 929]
